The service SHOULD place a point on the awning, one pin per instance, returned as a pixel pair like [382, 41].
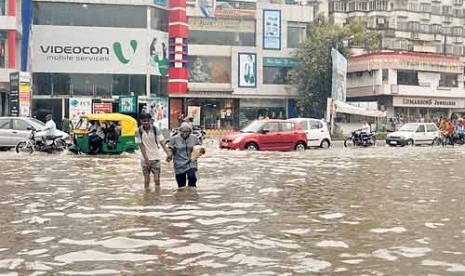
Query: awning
[342, 107]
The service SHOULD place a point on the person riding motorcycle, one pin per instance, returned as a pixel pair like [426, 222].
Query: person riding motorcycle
[47, 134]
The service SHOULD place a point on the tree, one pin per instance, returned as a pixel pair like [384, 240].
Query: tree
[312, 76]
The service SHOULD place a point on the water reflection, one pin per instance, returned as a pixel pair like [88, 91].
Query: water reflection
[378, 211]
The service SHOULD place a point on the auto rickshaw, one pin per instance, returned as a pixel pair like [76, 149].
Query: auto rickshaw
[118, 129]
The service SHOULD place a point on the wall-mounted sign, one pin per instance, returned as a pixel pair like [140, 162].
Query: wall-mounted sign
[279, 62]
[339, 76]
[428, 102]
[127, 104]
[221, 25]
[24, 94]
[235, 9]
[79, 107]
[271, 29]
[99, 108]
[247, 72]
[14, 94]
[206, 7]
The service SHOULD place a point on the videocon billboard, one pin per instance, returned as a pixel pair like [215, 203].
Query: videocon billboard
[98, 50]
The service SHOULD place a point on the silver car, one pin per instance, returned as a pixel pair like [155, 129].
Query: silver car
[15, 129]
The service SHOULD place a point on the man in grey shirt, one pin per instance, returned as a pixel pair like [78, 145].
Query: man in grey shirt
[180, 152]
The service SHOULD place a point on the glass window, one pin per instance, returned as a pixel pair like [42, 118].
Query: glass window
[159, 20]
[431, 128]
[20, 124]
[61, 84]
[42, 107]
[295, 35]
[42, 83]
[72, 14]
[385, 74]
[221, 38]
[204, 69]
[407, 77]
[3, 51]
[276, 75]
[315, 125]
[137, 84]
[82, 84]
[287, 126]
[158, 86]
[421, 128]
[449, 80]
[2, 7]
[5, 123]
[271, 127]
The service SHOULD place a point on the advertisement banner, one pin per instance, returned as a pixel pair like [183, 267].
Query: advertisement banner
[206, 7]
[279, 62]
[98, 50]
[79, 107]
[221, 25]
[204, 69]
[272, 29]
[127, 104]
[247, 73]
[338, 87]
[235, 9]
[14, 94]
[194, 113]
[100, 108]
[159, 109]
[24, 94]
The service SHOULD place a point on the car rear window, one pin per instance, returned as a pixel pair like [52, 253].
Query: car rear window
[431, 128]
[287, 126]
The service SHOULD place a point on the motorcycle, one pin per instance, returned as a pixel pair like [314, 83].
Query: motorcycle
[34, 143]
[197, 131]
[360, 138]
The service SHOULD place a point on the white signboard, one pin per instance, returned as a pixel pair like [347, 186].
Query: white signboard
[428, 102]
[98, 50]
[79, 107]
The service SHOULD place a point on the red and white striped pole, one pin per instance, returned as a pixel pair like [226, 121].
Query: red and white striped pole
[178, 33]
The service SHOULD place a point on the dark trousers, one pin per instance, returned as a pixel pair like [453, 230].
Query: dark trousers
[189, 177]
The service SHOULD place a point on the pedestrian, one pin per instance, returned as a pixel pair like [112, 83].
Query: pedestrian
[66, 125]
[181, 147]
[150, 139]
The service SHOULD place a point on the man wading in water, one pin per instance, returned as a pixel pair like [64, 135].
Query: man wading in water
[150, 138]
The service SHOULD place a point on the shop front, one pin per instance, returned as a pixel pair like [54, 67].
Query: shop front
[252, 109]
[414, 109]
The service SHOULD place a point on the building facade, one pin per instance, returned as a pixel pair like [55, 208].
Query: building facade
[414, 86]
[10, 47]
[409, 25]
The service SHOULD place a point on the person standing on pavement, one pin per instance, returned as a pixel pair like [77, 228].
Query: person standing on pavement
[66, 125]
[150, 139]
[181, 147]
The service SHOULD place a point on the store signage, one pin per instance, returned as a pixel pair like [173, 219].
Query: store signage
[271, 29]
[221, 25]
[127, 104]
[247, 71]
[24, 94]
[279, 62]
[14, 94]
[99, 108]
[99, 50]
[232, 9]
[429, 102]
[79, 107]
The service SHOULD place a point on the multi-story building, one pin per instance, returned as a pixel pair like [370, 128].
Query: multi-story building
[415, 86]
[435, 26]
[10, 47]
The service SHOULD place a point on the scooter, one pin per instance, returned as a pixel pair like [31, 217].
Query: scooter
[34, 143]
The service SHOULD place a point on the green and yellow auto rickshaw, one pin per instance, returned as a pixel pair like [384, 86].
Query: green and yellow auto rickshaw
[118, 132]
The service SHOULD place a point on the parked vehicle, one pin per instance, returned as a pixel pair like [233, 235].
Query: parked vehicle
[317, 132]
[360, 138]
[124, 142]
[267, 135]
[16, 129]
[414, 134]
[197, 131]
[34, 143]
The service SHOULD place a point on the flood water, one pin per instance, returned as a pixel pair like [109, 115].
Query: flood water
[374, 211]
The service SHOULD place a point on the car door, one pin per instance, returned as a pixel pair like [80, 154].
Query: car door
[305, 125]
[270, 138]
[420, 134]
[5, 132]
[20, 130]
[432, 132]
[288, 137]
[315, 133]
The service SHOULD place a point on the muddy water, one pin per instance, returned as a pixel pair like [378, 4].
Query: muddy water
[378, 211]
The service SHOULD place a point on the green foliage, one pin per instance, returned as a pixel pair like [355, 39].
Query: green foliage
[312, 77]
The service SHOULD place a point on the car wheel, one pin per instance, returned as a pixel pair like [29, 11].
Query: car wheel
[409, 143]
[251, 147]
[301, 146]
[325, 144]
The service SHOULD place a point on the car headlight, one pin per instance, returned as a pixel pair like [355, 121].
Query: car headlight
[237, 140]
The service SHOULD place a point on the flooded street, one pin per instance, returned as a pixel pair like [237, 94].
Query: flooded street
[373, 211]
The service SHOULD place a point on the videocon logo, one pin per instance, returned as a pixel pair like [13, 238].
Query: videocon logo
[118, 48]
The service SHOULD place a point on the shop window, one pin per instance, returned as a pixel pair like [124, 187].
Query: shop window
[158, 86]
[203, 69]
[42, 107]
[276, 75]
[449, 80]
[221, 38]
[92, 15]
[407, 77]
[159, 20]
[3, 50]
[42, 83]
[295, 35]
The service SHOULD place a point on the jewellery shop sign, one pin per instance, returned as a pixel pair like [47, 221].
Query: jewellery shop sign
[429, 102]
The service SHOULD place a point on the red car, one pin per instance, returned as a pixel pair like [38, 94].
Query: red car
[267, 135]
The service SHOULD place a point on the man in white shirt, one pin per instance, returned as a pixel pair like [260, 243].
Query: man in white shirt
[48, 132]
[150, 139]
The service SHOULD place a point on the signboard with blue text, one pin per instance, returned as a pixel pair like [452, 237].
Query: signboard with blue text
[272, 29]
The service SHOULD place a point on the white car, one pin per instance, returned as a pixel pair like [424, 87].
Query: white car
[413, 134]
[316, 130]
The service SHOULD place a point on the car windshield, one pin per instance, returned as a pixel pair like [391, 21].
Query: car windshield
[253, 127]
[38, 125]
[409, 128]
